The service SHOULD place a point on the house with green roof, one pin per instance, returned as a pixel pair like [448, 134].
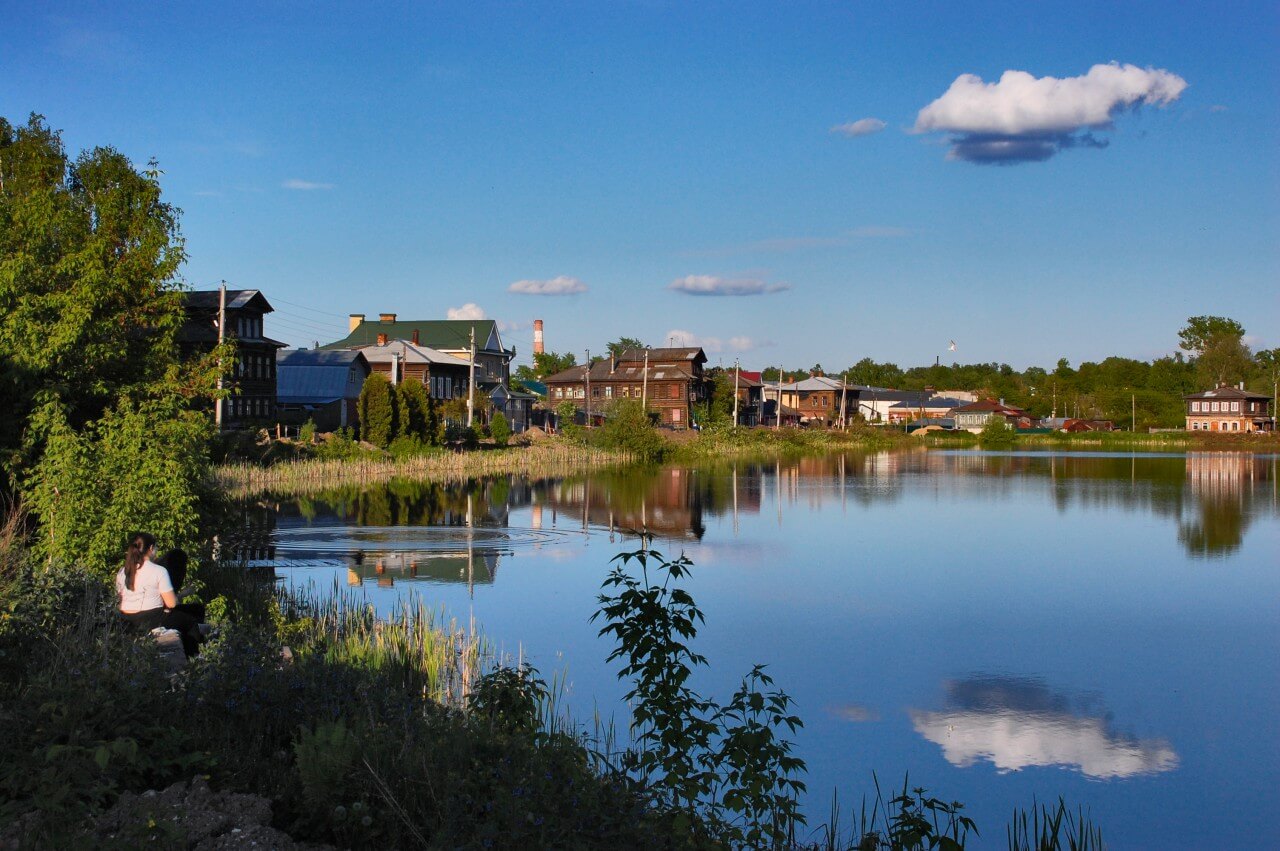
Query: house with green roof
[452, 337]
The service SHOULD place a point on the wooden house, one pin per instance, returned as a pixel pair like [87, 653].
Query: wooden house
[1229, 409]
[974, 416]
[668, 381]
[253, 377]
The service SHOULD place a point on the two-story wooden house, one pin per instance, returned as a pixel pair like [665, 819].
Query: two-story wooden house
[1231, 409]
[669, 381]
[253, 378]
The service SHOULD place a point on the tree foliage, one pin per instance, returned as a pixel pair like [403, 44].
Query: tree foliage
[377, 409]
[620, 345]
[1201, 331]
[415, 410]
[89, 291]
[545, 364]
[500, 429]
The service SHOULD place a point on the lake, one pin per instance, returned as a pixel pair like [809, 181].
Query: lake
[1003, 626]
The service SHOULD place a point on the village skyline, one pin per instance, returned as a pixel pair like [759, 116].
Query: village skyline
[779, 187]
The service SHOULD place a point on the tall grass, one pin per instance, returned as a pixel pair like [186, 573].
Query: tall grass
[544, 459]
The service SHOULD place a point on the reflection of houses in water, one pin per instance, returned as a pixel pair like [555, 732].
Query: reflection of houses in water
[251, 540]
[1016, 723]
[1224, 486]
[667, 503]
[455, 567]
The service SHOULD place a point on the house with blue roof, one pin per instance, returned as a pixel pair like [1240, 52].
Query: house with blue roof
[321, 386]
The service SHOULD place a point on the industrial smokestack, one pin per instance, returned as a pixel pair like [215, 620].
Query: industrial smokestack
[537, 337]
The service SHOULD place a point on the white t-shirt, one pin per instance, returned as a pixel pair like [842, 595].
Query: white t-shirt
[149, 583]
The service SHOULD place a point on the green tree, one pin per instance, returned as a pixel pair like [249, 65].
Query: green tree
[377, 409]
[620, 345]
[414, 408]
[1200, 331]
[1223, 360]
[997, 432]
[628, 428]
[544, 364]
[89, 291]
[868, 372]
[500, 429]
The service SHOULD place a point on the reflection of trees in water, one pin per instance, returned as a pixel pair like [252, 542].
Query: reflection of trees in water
[1211, 496]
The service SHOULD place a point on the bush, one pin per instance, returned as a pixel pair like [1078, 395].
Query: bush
[997, 432]
[377, 409]
[415, 410]
[307, 434]
[500, 429]
[627, 428]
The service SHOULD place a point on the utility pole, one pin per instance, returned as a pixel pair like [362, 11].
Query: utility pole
[844, 404]
[777, 421]
[644, 392]
[222, 324]
[1133, 408]
[471, 381]
[587, 377]
[735, 397]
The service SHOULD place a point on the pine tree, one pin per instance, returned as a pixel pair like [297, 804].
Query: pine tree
[414, 410]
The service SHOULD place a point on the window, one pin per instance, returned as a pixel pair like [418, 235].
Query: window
[608, 391]
[1195, 407]
[675, 415]
[1213, 406]
[1235, 406]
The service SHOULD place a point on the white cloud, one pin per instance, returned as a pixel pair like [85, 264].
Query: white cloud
[559, 285]
[470, 310]
[680, 338]
[305, 185]
[861, 127]
[1024, 118]
[717, 286]
[507, 327]
[855, 712]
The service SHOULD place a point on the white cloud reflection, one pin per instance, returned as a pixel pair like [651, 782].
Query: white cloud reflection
[1018, 723]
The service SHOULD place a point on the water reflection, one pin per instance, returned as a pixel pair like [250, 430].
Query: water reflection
[1016, 723]
[1210, 498]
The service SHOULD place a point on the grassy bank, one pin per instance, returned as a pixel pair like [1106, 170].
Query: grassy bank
[549, 458]
[1120, 441]
[764, 442]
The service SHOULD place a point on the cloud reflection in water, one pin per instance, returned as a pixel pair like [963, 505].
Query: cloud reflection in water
[1018, 722]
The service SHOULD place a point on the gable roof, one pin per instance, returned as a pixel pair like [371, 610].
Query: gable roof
[409, 353]
[443, 334]
[628, 371]
[989, 406]
[307, 376]
[1228, 392]
[686, 353]
[202, 300]
[933, 402]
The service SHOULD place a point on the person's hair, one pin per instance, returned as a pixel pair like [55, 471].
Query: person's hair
[140, 543]
[175, 561]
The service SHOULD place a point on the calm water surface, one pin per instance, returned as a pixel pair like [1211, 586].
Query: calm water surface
[1003, 626]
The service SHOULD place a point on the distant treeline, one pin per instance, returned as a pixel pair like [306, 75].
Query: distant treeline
[1110, 389]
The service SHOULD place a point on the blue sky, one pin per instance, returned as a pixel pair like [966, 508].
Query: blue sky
[648, 158]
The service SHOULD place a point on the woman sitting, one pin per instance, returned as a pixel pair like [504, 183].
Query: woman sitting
[147, 597]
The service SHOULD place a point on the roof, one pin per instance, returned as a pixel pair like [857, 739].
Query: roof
[445, 334]
[689, 353]
[307, 376]
[236, 299]
[317, 357]
[409, 353]
[934, 402]
[1229, 392]
[989, 406]
[813, 382]
[888, 394]
[606, 371]
[534, 387]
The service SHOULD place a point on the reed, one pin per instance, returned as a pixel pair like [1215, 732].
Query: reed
[543, 459]
[415, 644]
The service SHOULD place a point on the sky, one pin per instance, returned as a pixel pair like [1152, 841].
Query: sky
[804, 183]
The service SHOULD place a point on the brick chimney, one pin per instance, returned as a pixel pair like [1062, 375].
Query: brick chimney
[415, 336]
[386, 317]
[537, 337]
[353, 321]
[382, 339]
